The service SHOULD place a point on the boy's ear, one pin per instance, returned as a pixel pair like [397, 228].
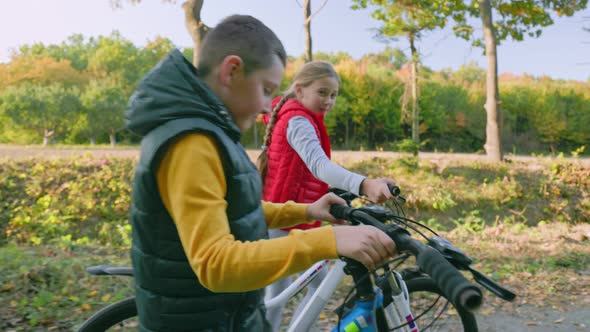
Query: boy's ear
[231, 66]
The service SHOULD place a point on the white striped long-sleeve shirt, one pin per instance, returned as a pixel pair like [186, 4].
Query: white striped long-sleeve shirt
[303, 138]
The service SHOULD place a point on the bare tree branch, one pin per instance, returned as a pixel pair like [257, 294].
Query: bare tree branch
[317, 11]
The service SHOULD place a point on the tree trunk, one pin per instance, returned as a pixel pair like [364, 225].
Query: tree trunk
[196, 28]
[307, 28]
[92, 141]
[414, 78]
[346, 133]
[256, 135]
[493, 142]
[47, 133]
[113, 139]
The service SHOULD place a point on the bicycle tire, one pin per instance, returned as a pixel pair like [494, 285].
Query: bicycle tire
[110, 316]
[422, 285]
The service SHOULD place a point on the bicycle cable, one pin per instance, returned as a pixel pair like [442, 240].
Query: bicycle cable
[354, 287]
[405, 221]
[366, 275]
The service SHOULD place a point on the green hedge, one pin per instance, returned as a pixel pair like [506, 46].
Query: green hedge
[85, 200]
[66, 201]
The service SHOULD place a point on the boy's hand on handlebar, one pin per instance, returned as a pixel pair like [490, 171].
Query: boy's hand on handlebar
[320, 209]
[376, 189]
[365, 244]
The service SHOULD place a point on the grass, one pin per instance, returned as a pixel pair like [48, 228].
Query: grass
[460, 191]
[47, 288]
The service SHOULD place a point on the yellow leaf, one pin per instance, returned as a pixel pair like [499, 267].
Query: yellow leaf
[92, 293]
[86, 307]
[7, 287]
[105, 298]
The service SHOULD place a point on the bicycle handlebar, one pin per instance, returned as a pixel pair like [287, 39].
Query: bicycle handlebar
[460, 291]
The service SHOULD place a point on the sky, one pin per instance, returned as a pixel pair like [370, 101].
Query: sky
[562, 51]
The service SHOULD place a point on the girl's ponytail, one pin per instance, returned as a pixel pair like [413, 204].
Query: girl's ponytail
[262, 161]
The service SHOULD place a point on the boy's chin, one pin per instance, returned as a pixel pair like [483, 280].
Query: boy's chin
[245, 126]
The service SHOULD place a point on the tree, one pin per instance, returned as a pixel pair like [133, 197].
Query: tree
[39, 70]
[410, 19]
[196, 28]
[117, 58]
[389, 56]
[44, 109]
[75, 49]
[307, 16]
[154, 51]
[493, 145]
[307, 28]
[103, 102]
[470, 73]
[516, 18]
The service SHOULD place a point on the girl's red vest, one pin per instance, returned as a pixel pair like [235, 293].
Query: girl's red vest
[287, 177]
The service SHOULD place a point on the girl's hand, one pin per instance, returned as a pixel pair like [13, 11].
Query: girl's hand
[365, 244]
[376, 189]
[320, 209]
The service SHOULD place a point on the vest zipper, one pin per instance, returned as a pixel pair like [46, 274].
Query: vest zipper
[232, 319]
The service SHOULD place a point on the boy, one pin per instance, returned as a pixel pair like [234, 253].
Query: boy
[199, 249]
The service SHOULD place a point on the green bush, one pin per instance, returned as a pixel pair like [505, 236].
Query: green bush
[455, 193]
[65, 201]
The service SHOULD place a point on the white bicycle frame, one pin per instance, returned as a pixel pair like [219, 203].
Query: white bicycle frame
[397, 313]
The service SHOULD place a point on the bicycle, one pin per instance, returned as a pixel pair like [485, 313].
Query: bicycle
[385, 299]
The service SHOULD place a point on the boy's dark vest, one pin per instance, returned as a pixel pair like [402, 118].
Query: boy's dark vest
[169, 294]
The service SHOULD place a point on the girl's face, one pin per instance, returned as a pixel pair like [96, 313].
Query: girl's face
[319, 96]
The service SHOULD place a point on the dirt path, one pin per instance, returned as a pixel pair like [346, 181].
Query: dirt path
[16, 152]
[537, 319]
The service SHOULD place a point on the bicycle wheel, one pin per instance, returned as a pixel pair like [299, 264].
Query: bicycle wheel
[433, 312]
[121, 315]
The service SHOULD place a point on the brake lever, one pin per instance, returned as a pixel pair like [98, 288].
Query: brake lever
[345, 195]
[491, 285]
[456, 256]
[463, 262]
[377, 211]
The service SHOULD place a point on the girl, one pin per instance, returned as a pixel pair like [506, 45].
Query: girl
[295, 162]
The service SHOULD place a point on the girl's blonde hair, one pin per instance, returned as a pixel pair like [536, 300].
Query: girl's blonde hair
[309, 73]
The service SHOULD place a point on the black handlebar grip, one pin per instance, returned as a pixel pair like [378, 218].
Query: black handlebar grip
[462, 293]
[341, 211]
[394, 190]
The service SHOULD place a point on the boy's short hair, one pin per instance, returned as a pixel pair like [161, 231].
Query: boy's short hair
[244, 36]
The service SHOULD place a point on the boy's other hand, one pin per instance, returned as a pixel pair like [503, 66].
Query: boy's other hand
[376, 189]
[320, 209]
[365, 244]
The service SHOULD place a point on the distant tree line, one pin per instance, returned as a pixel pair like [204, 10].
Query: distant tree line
[76, 93]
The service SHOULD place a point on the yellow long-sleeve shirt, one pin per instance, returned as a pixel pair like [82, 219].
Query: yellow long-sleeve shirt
[192, 185]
